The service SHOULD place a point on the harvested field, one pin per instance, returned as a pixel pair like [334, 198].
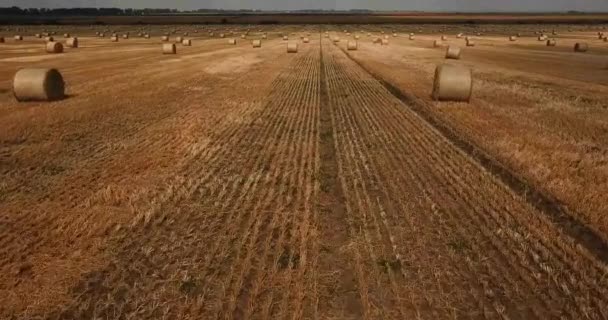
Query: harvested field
[227, 182]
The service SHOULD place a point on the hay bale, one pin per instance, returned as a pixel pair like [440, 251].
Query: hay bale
[179, 39]
[242, 36]
[38, 35]
[306, 40]
[18, 38]
[72, 42]
[164, 38]
[452, 83]
[102, 35]
[444, 38]
[542, 38]
[49, 39]
[470, 43]
[114, 39]
[437, 44]
[357, 37]
[459, 35]
[54, 47]
[292, 47]
[453, 53]
[146, 36]
[66, 35]
[512, 38]
[38, 85]
[125, 36]
[551, 43]
[232, 41]
[186, 42]
[412, 37]
[385, 42]
[264, 37]
[222, 35]
[285, 38]
[256, 43]
[169, 48]
[351, 45]
[336, 39]
[581, 47]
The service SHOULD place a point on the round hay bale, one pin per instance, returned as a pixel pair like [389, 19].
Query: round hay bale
[351, 45]
[581, 47]
[336, 39]
[292, 47]
[179, 39]
[512, 38]
[186, 42]
[102, 35]
[470, 43]
[285, 38]
[385, 42]
[306, 40]
[264, 37]
[146, 36]
[551, 43]
[232, 41]
[242, 36]
[394, 35]
[18, 38]
[49, 39]
[66, 35]
[386, 37]
[164, 38]
[169, 48]
[38, 35]
[459, 35]
[542, 38]
[222, 35]
[125, 36]
[437, 44]
[357, 37]
[453, 53]
[412, 37]
[54, 47]
[38, 85]
[256, 43]
[452, 83]
[444, 38]
[114, 39]
[72, 42]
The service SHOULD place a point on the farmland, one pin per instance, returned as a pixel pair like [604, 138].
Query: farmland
[232, 182]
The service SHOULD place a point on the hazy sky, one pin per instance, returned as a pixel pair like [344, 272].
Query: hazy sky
[427, 5]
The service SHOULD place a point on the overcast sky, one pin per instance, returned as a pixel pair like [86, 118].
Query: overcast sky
[426, 5]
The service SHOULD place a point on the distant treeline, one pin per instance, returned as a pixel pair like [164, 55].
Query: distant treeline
[143, 12]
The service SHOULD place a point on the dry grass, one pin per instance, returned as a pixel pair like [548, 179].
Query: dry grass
[268, 185]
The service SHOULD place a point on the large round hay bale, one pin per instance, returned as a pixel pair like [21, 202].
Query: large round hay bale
[125, 36]
[72, 42]
[38, 35]
[444, 38]
[581, 47]
[49, 39]
[169, 48]
[412, 37]
[452, 53]
[285, 38]
[551, 43]
[186, 42]
[38, 85]
[306, 40]
[66, 35]
[54, 47]
[146, 36]
[102, 35]
[470, 43]
[179, 39]
[512, 38]
[264, 37]
[351, 45]
[222, 35]
[357, 37]
[242, 36]
[336, 39]
[452, 83]
[292, 47]
[437, 44]
[18, 38]
[232, 41]
[385, 42]
[542, 38]
[459, 35]
[256, 43]
[114, 39]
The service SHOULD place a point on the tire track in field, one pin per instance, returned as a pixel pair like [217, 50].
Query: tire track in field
[369, 99]
[546, 204]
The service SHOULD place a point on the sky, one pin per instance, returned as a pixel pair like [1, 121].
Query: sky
[413, 5]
